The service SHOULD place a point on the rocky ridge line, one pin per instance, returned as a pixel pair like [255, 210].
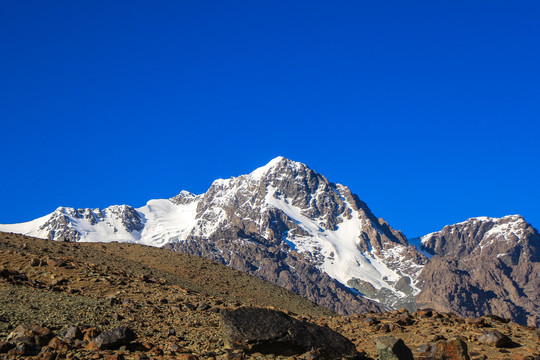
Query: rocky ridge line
[484, 266]
[284, 223]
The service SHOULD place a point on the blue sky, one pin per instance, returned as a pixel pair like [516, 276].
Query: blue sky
[427, 110]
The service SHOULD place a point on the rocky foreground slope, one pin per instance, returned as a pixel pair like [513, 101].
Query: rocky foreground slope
[90, 300]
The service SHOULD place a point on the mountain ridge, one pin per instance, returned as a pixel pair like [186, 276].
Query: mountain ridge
[491, 265]
[319, 230]
[289, 225]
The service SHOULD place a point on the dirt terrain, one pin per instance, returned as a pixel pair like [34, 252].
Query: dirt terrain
[71, 292]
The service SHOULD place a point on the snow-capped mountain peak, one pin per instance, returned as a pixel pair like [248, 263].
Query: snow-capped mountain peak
[283, 204]
[263, 170]
[482, 235]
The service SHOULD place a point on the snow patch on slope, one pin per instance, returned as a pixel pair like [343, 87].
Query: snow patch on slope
[506, 230]
[110, 228]
[166, 222]
[260, 172]
[342, 258]
[30, 228]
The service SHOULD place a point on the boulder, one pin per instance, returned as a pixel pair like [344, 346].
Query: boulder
[25, 349]
[405, 320]
[33, 334]
[57, 344]
[370, 320]
[392, 348]
[113, 339]
[453, 349]
[496, 339]
[5, 347]
[269, 331]
[73, 333]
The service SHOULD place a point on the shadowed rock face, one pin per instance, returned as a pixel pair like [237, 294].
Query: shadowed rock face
[115, 338]
[273, 332]
[391, 348]
[510, 238]
[275, 264]
[484, 266]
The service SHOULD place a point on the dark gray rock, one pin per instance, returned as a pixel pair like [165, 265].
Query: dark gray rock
[115, 338]
[405, 320]
[370, 320]
[423, 349]
[273, 332]
[392, 348]
[25, 349]
[5, 347]
[73, 333]
[496, 339]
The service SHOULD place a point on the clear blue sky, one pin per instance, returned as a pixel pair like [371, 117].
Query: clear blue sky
[428, 110]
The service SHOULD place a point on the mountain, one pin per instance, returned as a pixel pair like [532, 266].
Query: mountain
[289, 225]
[484, 266]
[283, 223]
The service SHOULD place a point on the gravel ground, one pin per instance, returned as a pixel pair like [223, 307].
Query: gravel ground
[172, 302]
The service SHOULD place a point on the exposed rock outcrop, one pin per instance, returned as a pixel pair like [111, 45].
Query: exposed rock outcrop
[267, 331]
[484, 266]
[392, 348]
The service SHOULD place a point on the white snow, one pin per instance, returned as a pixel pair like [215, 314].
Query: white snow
[260, 172]
[505, 230]
[29, 228]
[110, 229]
[516, 218]
[166, 222]
[347, 261]
[163, 222]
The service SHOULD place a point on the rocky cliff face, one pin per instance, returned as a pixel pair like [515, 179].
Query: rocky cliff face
[289, 225]
[75, 224]
[484, 266]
